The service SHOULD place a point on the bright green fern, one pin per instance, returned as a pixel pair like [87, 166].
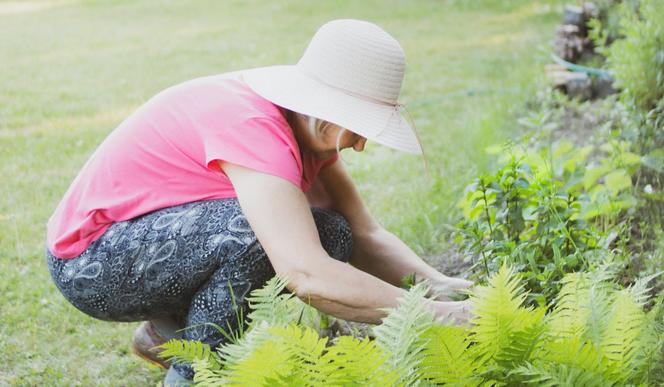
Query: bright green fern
[596, 335]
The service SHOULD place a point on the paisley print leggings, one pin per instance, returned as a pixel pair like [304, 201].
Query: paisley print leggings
[180, 263]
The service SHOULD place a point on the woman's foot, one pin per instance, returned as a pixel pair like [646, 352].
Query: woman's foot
[146, 344]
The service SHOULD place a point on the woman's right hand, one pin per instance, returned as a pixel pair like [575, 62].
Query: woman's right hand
[454, 312]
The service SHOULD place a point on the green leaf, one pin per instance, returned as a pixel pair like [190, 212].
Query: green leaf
[593, 174]
[654, 160]
[617, 180]
[629, 159]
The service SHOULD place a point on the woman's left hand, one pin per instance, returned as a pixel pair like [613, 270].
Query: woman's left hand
[444, 288]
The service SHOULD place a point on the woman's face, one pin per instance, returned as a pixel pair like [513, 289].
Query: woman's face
[324, 146]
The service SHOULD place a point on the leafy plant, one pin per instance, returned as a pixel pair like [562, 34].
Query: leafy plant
[539, 213]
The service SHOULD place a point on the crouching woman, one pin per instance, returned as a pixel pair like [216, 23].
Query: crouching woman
[220, 182]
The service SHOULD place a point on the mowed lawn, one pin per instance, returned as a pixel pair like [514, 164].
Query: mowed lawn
[72, 71]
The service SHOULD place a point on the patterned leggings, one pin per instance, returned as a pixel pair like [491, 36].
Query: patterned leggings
[178, 263]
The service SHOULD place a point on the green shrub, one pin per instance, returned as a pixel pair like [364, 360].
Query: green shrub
[548, 212]
[637, 60]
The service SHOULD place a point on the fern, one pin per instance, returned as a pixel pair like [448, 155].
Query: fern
[184, 351]
[498, 312]
[233, 353]
[600, 294]
[287, 353]
[577, 353]
[570, 314]
[621, 343]
[359, 362]
[305, 348]
[446, 359]
[560, 375]
[583, 305]
[400, 334]
[271, 304]
[650, 353]
[267, 361]
[596, 335]
[524, 342]
[295, 355]
[207, 373]
[640, 290]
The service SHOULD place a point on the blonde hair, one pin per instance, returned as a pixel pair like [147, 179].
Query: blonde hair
[316, 126]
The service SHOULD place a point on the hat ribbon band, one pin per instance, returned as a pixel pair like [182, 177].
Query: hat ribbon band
[351, 93]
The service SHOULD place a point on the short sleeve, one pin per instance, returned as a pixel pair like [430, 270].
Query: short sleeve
[259, 143]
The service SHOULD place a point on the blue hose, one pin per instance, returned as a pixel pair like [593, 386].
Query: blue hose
[581, 69]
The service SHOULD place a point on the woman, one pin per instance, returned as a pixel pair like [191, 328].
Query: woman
[218, 183]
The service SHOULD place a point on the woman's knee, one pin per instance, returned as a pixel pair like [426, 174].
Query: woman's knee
[334, 232]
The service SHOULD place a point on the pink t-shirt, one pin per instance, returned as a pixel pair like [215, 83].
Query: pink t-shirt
[166, 154]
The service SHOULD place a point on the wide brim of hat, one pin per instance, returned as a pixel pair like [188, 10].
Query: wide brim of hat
[288, 87]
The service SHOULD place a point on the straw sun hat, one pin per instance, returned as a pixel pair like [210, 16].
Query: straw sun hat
[349, 75]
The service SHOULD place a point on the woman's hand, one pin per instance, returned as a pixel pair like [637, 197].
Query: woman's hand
[443, 287]
[454, 312]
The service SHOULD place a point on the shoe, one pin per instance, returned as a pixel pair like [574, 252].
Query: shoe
[174, 379]
[146, 344]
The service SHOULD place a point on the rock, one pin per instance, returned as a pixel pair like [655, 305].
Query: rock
[574, 15]
[579, 85]
[603, 87]
[570, 44]
[576, 85]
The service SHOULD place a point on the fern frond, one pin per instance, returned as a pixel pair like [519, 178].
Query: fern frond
[267, 361]
[351, 361]
[498, 312]
[305, 348]
[559, 375]
[578, 353]
[620, 342]
[291, 353]
[401, 331]
[525, 341]
[270, 304]
[649, 360]
[640, 291]
[446, 359]
[277, 307]
[570, 315]
[600, 295]
[583, 305]
[206, 374]
[234, 352]
[185, 351]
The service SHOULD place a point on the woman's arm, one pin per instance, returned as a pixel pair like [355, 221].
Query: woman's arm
[376, 250]
[279, 214]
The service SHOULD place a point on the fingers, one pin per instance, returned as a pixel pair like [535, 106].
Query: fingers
[455, 313]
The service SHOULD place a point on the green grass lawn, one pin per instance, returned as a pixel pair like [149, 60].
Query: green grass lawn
[71, 71]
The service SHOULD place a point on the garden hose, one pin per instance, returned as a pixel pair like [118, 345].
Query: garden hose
[581, 69]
